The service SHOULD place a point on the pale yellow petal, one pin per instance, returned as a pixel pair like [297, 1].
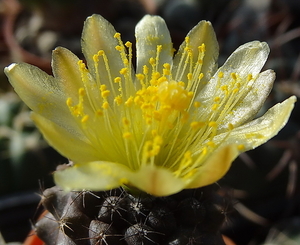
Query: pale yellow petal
[41, 93]
[250, 102]
[157, 181]
[66, 71]
[150, 32]
[94, 176]
[202, 33]
[246, 60]
[260, 130]
[215, 167]
[98, 34]
[107, 175]
[71, 144]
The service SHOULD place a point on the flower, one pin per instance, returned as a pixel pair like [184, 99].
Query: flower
[171, 125]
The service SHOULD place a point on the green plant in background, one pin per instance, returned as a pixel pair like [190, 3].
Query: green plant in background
[173, 124]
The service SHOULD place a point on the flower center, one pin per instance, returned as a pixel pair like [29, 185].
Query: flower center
[154, 117]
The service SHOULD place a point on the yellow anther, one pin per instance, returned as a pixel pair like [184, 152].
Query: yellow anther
[99, 112]
[166, 72]
[117, 80]
[154, 132]
[152, 61]
[196, 125]
[102, 87]
[189, 76]
[167, 66]
[215, 107]
[105, 93]
[201, 75]
[145, 69]
[235, 90]
[224, 88]
[118, 100]
[249, 77]
[128, 44]
[105, 105]
[230, 126]
[217, 99]
[81, 92]
[127, 135]
[158, 140]
[117, 35]
[212, 124]
[129, 101]
[197, 104]
[119, 48]
[96, 58]
[69, 102]
[123, 71]
[190, 94]
[200, 61]
[187, 40]
[85, 118]
[125, 121]
[161, 80]
[181, 83]
[201, 48]
[241, 147]
[140, 76]
[234, 76]
[211, 144]
[220, 74]
[157, 115]
[100, 52]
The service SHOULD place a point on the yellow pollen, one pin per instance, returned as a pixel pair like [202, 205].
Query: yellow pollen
[152, 61]
[100, 53]
[189, 76]
[140, 76]
[96, 58]
[241, 147]
[69, 102]
[211, 144]
[167, 66]
[197, 125]
[99, 112]
[102, 87]
[215, 107]
[117, 35]
[221, 74]
[117, 80]
[249, 77]
[105, 93]
[128, 44]
[127, 135]
[105, 105]
[81, 92]
[212, 124]
[119, 48]
[197, 104]
[234, 76]
[118, 100]
[217, 99]
[129, 101]
[85, 118]
[145, 69]
[123, 71]
[125, 121]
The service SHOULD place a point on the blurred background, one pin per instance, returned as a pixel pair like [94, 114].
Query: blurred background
[261, 191]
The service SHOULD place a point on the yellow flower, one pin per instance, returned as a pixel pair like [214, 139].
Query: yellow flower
[171, 125]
